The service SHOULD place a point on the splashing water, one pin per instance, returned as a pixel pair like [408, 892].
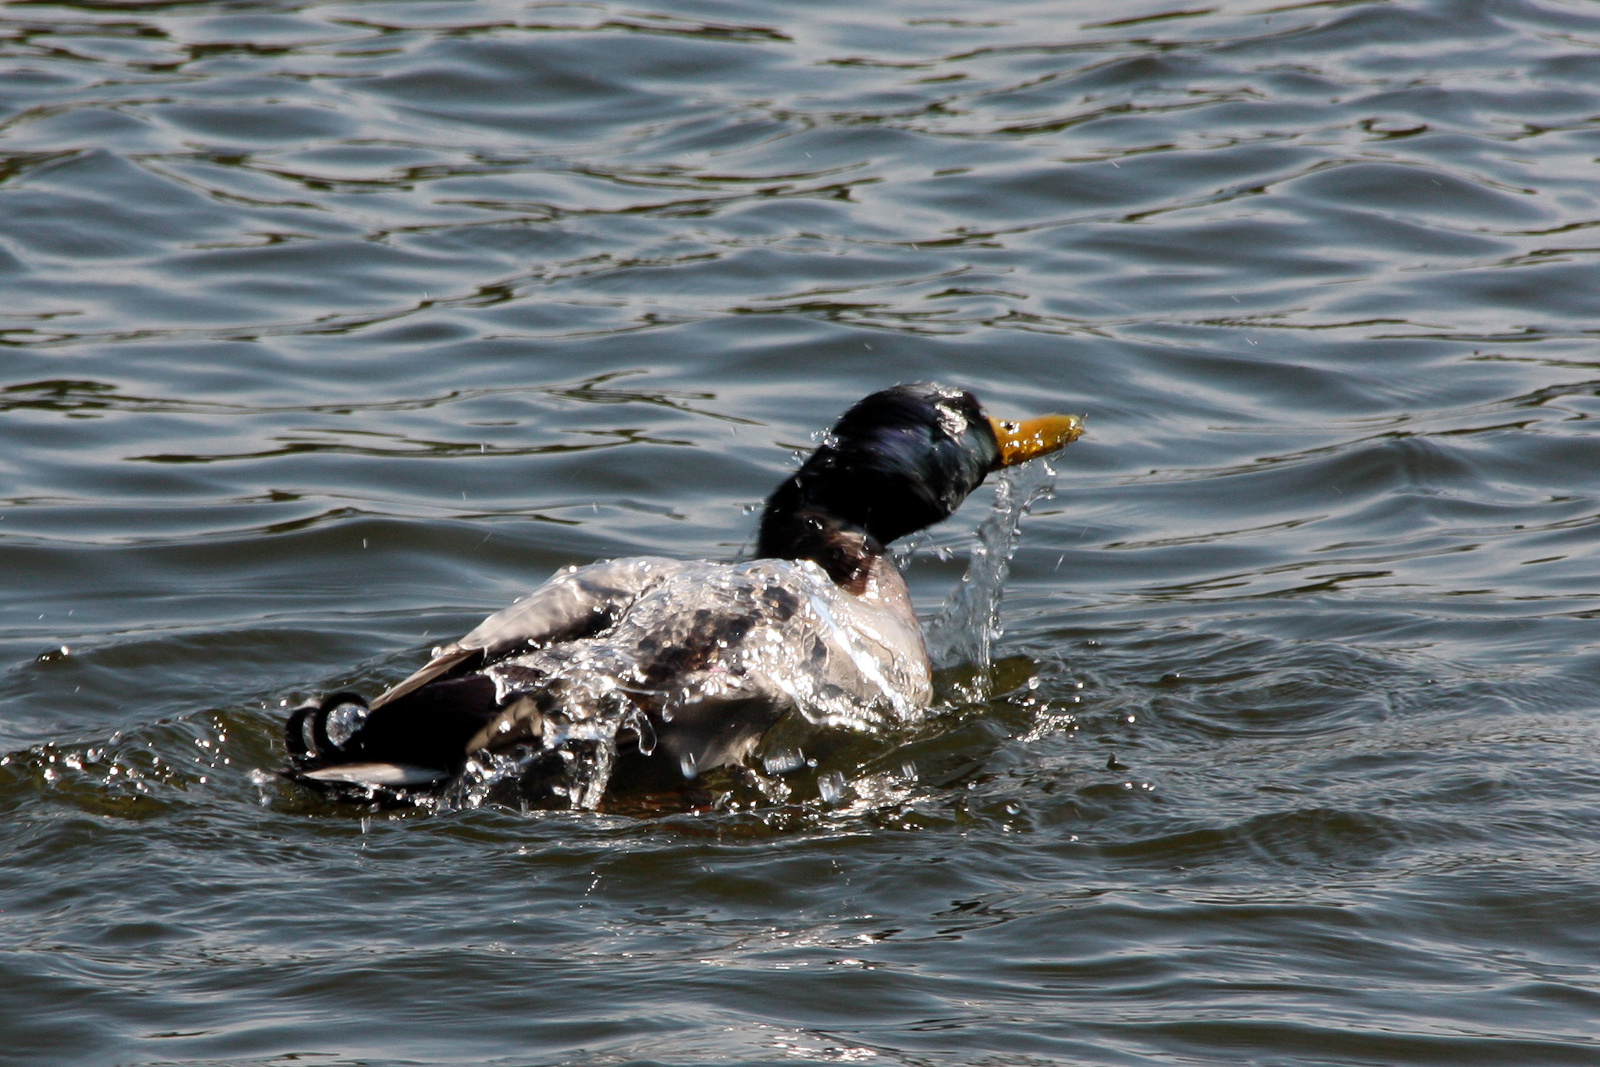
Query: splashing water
[967, 626]
[694, 637]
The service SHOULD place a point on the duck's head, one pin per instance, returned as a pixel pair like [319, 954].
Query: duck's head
[898, 461]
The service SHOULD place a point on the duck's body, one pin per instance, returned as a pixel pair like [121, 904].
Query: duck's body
[648, 671]
[671, 668]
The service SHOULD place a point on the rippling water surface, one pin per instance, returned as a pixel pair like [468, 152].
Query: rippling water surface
[327, 329]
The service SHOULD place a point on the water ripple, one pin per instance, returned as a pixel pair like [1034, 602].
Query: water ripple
[328, 328]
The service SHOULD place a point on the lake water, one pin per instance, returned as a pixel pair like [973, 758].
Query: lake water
[326, 329]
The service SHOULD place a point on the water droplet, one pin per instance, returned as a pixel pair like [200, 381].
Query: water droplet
[342, 722]
[831, 786]
[784, 760]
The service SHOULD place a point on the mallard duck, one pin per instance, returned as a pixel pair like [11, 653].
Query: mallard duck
[647, 671]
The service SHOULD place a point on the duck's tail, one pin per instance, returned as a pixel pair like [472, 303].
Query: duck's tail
[417, 742]
[327, 752]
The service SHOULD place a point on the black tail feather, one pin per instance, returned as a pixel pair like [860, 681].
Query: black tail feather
[306, 732]
[419, 740]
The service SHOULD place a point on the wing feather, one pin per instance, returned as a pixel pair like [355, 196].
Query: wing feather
[581, 602]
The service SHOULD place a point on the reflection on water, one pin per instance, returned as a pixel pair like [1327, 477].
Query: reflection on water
[325, 329]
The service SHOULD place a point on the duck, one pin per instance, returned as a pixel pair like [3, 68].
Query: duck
[647, 672]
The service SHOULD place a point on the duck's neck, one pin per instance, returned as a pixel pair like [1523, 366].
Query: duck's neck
[846, 551]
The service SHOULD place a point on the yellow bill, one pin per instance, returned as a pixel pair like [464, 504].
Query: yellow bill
[1031, 438]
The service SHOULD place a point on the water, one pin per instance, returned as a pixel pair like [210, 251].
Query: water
[964, 631]
[326, 330]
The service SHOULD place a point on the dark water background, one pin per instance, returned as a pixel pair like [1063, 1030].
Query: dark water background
[326, 329]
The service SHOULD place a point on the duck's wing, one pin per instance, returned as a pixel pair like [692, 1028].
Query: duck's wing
[444, 661]
[579, 603]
